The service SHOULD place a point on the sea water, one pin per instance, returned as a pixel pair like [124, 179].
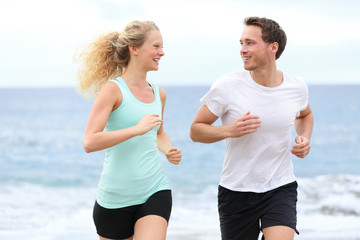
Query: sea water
[48, 182]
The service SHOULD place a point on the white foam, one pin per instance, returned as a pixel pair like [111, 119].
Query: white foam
[41, 213]
[336, 195]
[195, 215]
[327, 209]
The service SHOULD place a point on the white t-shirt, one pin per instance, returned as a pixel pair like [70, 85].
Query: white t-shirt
[260, 161]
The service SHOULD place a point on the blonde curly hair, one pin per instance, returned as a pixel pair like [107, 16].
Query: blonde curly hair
[108, 55]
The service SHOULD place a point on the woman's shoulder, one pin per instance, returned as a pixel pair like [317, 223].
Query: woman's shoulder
[162, 94]
[111, 87]
[111, 92]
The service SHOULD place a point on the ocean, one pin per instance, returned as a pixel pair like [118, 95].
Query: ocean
[48, 183]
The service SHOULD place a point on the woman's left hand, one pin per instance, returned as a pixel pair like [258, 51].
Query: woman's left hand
[174, 156]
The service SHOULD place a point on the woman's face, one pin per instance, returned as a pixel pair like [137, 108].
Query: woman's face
[150, 53]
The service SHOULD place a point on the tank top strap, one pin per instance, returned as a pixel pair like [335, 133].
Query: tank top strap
[121, 84]
[127, 94]
[123, 89]
[156, 92]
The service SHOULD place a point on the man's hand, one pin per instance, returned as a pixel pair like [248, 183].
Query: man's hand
[302, 147]
[244, 125]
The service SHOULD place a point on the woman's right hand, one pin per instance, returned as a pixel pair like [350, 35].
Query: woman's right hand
[147, 123]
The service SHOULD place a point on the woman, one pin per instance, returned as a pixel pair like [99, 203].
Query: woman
[134, 197]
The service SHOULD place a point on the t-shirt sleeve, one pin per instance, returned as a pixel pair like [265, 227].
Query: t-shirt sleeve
[217, 98]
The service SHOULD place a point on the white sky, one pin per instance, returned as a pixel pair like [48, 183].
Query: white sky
[39, 38]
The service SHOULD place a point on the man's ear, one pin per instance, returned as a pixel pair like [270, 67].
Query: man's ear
[133, 50]
[274, 47]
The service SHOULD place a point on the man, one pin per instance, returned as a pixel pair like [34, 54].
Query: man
[258, 107]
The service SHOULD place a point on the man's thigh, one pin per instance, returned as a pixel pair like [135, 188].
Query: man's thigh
[278, 233]
[239, 218]
[280, 208]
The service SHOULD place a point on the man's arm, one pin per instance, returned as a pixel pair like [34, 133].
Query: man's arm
[303, 126]
[202, 130]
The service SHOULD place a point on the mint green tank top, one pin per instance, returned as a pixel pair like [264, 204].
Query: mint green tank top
[133, 169]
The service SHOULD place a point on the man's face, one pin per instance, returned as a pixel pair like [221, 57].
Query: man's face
[254, 51]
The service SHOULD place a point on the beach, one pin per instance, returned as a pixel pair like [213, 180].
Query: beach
[48, 183]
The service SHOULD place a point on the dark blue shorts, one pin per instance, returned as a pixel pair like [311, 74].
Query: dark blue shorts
[119, 223]
[244, 214]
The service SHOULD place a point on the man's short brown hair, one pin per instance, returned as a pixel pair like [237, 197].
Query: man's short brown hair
[270, 30]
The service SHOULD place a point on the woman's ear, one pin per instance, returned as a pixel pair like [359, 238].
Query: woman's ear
[133, 50]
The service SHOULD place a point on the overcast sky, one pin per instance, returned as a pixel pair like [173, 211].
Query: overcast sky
[39, 38]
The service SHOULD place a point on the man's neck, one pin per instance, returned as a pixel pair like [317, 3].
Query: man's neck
[270, 77]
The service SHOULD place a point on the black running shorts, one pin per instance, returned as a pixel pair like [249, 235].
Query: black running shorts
[119, 223]
[244, 214]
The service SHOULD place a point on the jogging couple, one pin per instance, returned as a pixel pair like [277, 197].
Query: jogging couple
[258, 107]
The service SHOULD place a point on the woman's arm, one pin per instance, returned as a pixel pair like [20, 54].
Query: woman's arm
[163, 141]
[95, 138]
